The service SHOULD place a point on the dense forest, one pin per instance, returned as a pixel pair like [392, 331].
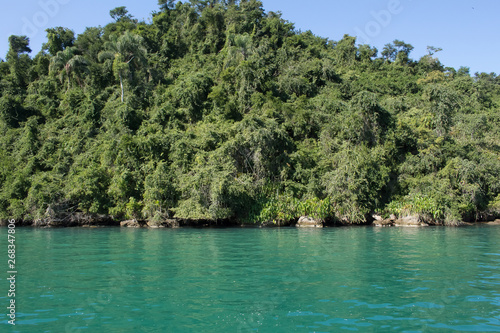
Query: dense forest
[218, 110]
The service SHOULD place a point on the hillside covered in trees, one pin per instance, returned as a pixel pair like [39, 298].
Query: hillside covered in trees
[219, 110]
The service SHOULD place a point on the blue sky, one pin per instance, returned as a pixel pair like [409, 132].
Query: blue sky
[467, 30]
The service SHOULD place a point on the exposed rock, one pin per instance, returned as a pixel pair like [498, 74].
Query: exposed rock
[58, 223]
[462, 224]
[407, 221]
[132, 224]
[168, 223]
[80, 219]
[65, 219]
[172, 223]
[410, 221]
[155, 224]
[269, 224]
[496, 222]
[308, 222]
[44, 223]
[385, 223]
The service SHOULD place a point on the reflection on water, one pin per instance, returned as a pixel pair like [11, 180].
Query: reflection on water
[257, 280]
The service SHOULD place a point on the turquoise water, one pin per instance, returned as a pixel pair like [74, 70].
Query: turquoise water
[255, 280]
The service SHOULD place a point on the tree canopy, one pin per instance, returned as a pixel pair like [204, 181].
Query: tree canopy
[219, 110]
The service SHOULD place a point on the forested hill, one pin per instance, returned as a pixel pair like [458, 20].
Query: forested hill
[220, 110]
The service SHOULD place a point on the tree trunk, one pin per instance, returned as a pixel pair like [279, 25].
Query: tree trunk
[121, 84]
[67, 68]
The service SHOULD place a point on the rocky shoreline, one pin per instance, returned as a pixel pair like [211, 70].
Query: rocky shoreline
[96, 220]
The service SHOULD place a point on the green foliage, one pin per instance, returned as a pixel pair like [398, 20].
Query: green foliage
[397, 51]
[18, 61]
[160, 194]
[283, 209]
[87, 188]
[120, 14]
[355, 179]
[70, 66]
[426, 207]
[133, 208]
[219, 110]
[12, 112]
[18, 45]
[494, 207]
[59, 39]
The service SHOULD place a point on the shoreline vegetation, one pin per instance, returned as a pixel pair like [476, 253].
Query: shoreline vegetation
[203, 224]
[218, 113]
[94, 221]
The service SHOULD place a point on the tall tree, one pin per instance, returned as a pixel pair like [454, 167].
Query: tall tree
[17, 58]
[18, 45]
[404, 50]
[120, 14]
[397, 50]
[239, 48]
[345, 50]
[166, 5]
[389, 52]
[59, 38]
[128, 55]
[70, 65]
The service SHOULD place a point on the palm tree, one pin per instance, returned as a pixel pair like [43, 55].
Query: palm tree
[127, 53]
[239, 48]
[69, 64]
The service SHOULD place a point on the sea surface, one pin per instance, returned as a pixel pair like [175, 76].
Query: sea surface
[352, 279]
